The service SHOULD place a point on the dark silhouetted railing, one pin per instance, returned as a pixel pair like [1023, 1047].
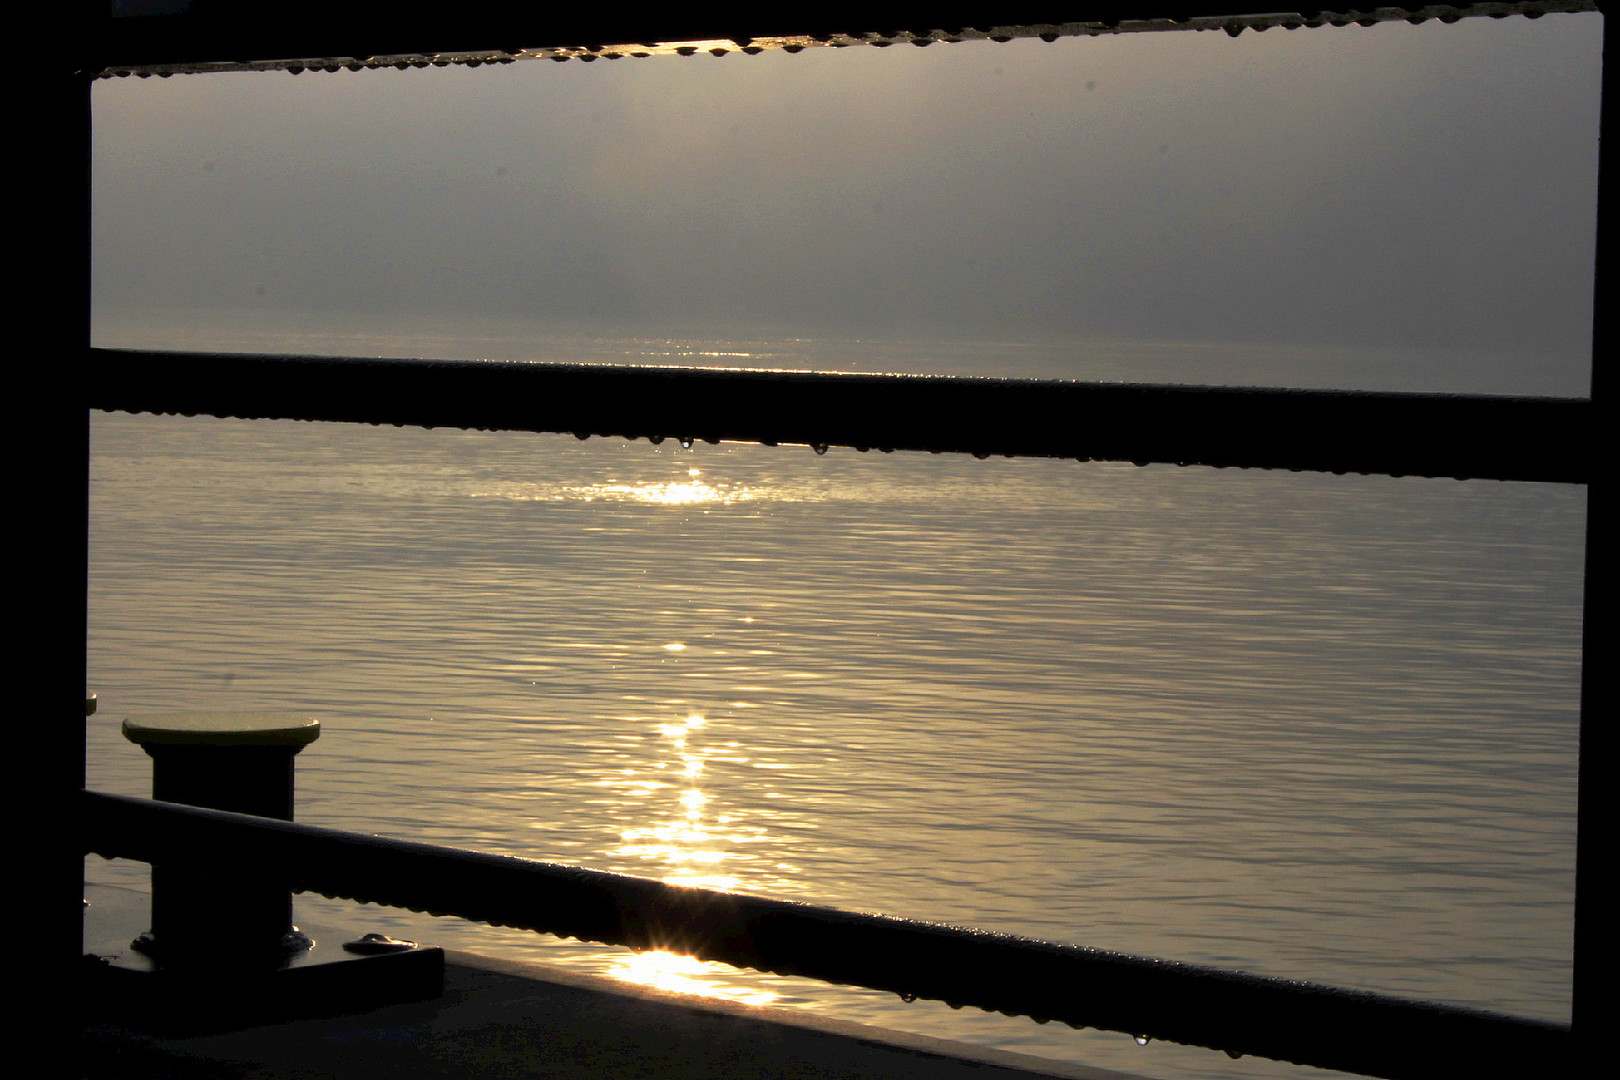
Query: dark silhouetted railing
[1499, 438]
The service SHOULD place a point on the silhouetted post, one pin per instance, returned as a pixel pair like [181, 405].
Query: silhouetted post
[242, 762]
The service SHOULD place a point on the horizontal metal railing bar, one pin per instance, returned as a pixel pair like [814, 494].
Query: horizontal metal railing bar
[1300, 1022]
[1505, 438]
[222, 35]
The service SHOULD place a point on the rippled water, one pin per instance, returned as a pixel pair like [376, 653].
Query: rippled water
[1309, 726]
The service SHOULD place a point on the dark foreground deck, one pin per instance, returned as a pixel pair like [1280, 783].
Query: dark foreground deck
[502, 1018]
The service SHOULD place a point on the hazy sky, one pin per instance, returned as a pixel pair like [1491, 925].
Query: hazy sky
[1393, 185]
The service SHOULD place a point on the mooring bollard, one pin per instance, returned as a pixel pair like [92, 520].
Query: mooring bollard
[242, 762]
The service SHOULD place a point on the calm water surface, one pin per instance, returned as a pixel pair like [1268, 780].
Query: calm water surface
[1309, 726]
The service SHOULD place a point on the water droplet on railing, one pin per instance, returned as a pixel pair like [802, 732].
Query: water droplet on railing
[686, 442]
[907, 996]
[820, 447]
[1141, 1040]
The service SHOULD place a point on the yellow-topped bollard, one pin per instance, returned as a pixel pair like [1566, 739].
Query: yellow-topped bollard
[236, 761]
[223, 729]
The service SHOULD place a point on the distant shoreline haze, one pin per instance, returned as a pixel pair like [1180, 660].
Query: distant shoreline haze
[1102, 358]
[1427, 190]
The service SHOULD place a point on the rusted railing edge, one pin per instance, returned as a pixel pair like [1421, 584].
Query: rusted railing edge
[1464, 436]
[1301, 1022]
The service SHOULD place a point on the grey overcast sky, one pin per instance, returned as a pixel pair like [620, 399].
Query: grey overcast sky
[1425, 186]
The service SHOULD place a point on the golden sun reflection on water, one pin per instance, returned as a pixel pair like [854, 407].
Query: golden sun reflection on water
[693, 491]
[687, 975]
[688, 846]
[692, 842]
[668, 493]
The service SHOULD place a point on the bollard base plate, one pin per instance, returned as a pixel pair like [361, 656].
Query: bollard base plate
[326, 979]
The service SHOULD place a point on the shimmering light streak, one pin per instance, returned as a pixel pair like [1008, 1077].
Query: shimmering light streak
[687, 975]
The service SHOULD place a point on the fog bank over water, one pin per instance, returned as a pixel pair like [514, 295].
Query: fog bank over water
[1388, 188]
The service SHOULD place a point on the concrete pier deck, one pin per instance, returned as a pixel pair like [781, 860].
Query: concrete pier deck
[502, 1019]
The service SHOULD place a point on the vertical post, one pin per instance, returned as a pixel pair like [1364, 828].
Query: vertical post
[49, 91]
[50, 96]
[1594, 891]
